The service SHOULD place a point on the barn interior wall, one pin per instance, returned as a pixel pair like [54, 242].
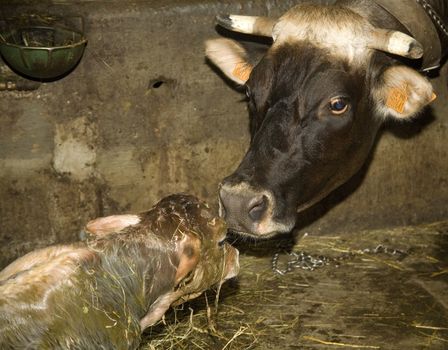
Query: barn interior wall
[143, 115]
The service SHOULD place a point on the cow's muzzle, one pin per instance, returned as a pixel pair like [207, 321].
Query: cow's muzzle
[248, 211]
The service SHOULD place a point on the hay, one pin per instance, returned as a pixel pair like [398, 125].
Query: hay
[335, 306]
[197, 325]
[345, 345]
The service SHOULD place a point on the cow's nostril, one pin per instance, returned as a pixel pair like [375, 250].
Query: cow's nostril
[257, 207]
[243, 207]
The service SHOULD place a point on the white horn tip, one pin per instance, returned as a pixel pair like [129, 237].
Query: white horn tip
[404, 45]
[224, 21]
[242, 24]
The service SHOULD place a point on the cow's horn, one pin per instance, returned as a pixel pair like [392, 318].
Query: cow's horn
[396, 43]
[247, 24]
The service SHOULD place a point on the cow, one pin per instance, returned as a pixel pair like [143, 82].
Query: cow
[333, 74]
[101, 293]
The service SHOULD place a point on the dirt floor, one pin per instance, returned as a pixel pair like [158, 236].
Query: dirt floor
[383, 289]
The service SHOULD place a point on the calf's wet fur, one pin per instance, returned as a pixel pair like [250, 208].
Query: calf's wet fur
[103, 292]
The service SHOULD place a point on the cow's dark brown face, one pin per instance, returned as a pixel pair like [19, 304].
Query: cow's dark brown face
[315, 110]
[306, 138]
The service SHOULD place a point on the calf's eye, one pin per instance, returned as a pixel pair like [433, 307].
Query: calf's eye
[338, 105]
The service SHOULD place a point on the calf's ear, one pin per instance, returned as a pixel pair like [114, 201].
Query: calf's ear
[402, 93]
[111, 224]
[230, 58]
[188, 249]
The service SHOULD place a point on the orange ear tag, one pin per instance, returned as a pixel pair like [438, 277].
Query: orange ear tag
[433, 97]
[397, 98]
[242, 71]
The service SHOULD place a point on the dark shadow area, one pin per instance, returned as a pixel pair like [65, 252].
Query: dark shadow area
[338, 195]
[403, 130]
[261, 247]
[241, 37]
[441, 251]
[408, 129]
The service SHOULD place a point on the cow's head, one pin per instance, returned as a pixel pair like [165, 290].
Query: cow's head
[316, 101]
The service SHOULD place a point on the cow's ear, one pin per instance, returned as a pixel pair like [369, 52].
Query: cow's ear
[230, 58]
[402, 93]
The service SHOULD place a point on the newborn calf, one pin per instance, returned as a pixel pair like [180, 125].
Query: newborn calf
[102, 293]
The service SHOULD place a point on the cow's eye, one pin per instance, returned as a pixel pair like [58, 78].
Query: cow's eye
[338, 105]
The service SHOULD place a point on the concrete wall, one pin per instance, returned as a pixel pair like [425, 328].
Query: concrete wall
[106, 139]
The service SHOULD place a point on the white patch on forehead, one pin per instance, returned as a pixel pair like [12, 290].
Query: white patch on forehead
[343, 32]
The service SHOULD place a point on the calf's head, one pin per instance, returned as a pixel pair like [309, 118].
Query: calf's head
[194, 236]
[316, 101]
[198, 237]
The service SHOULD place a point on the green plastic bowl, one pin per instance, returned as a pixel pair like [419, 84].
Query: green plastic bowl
[43, 53]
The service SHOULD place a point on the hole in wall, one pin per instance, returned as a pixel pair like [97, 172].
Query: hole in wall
[157, 84]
